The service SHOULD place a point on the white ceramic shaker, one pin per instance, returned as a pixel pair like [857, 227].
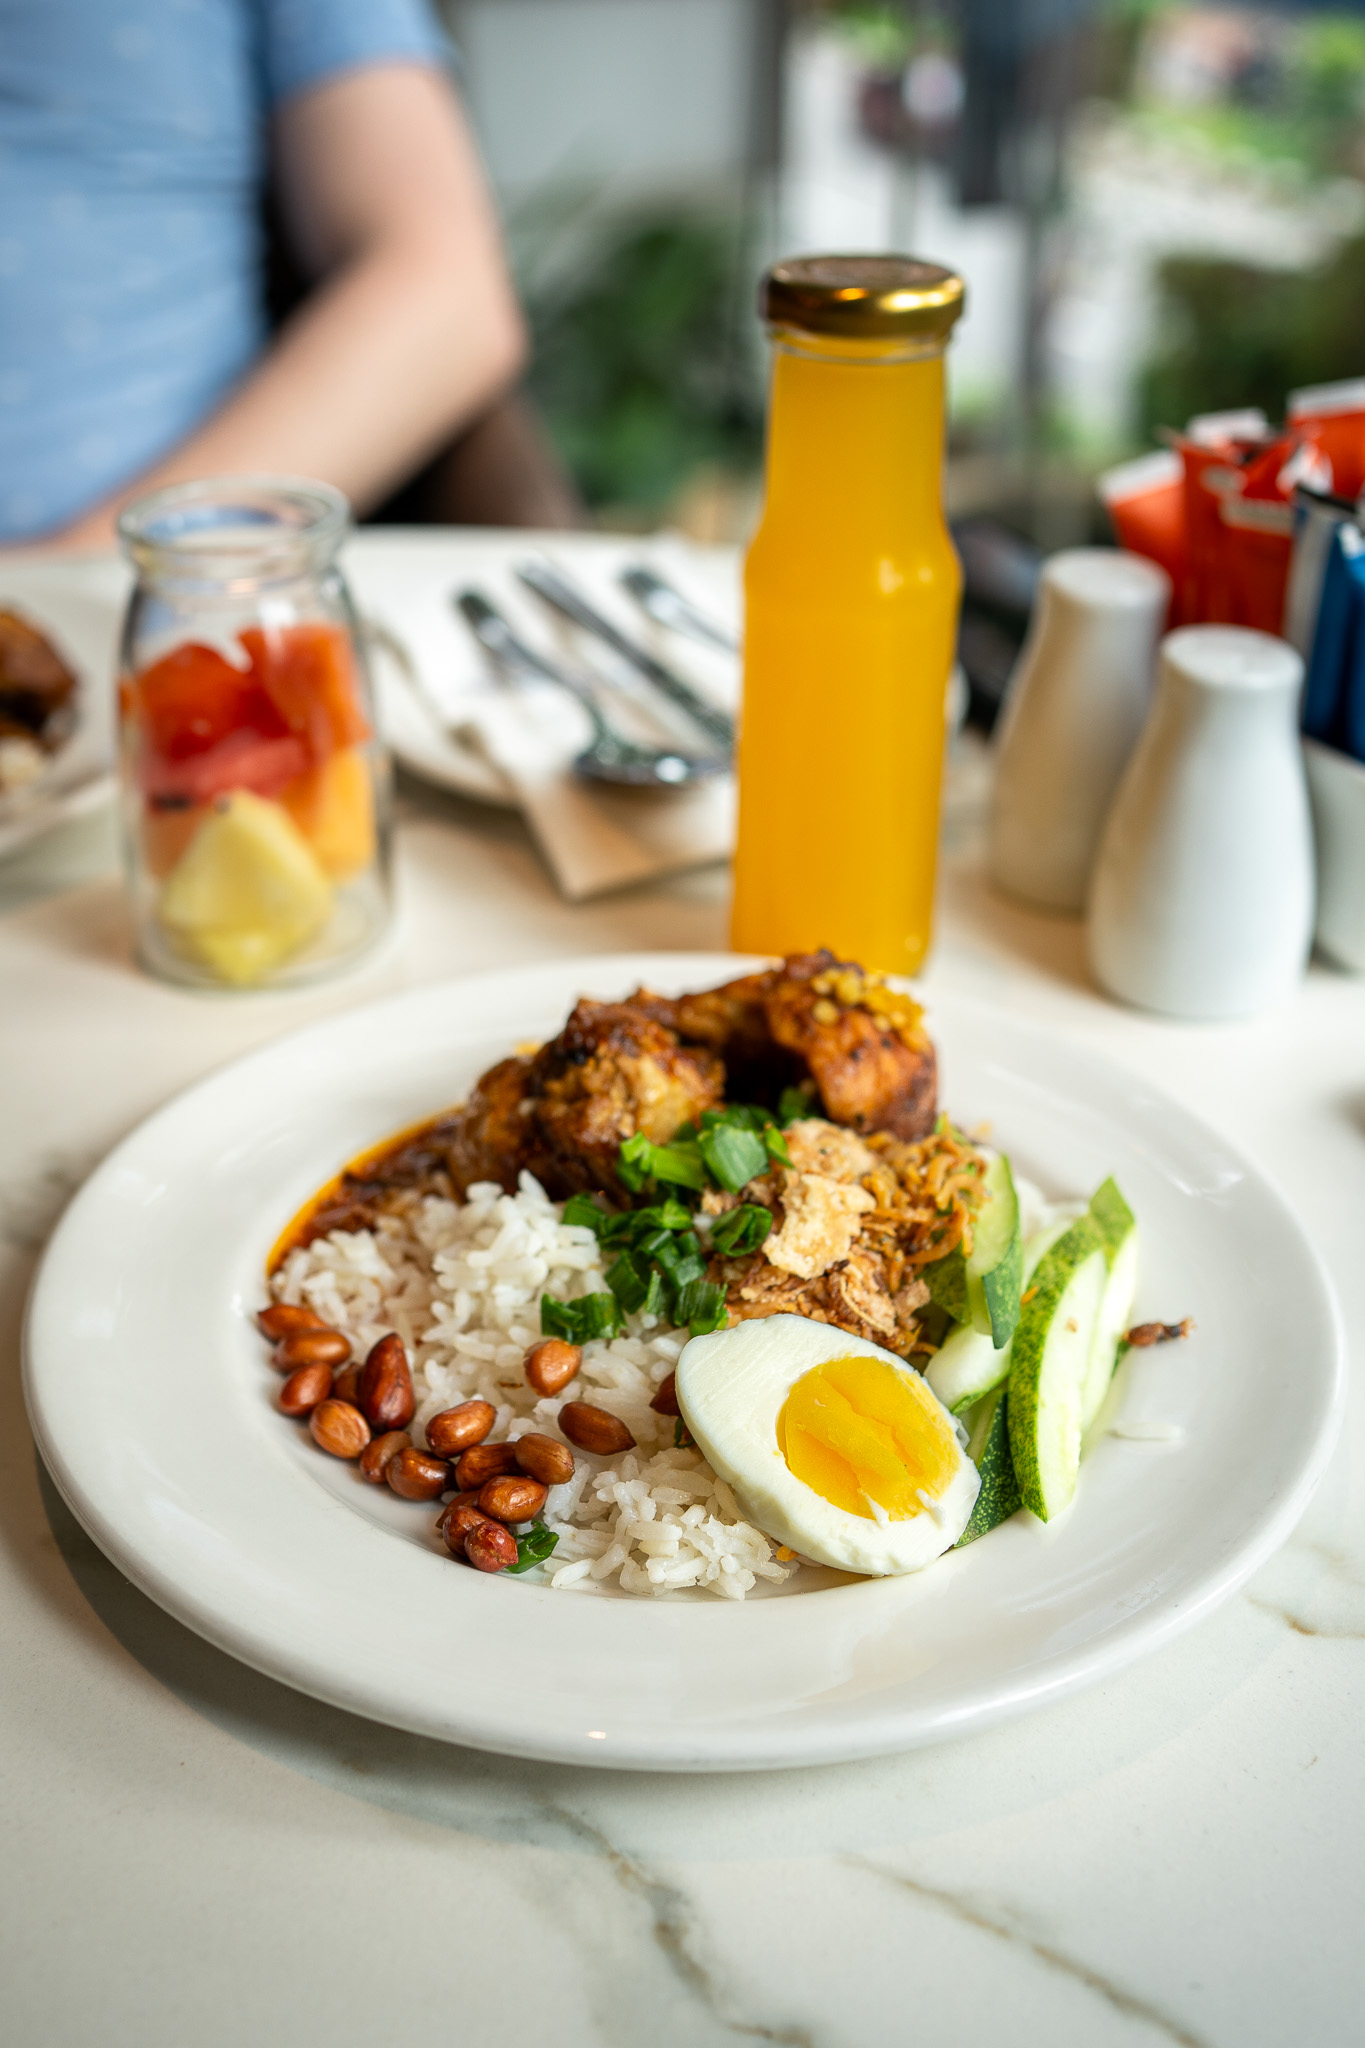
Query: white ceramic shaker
[1202, 899]
[1076, 704]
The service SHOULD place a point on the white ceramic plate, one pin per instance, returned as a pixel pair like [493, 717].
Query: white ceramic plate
[79, 605]
[151, 1398]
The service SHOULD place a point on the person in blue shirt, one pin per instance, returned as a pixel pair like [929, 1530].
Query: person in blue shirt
[137, 141]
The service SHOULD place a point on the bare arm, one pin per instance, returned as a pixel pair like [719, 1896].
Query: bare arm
[413, 326]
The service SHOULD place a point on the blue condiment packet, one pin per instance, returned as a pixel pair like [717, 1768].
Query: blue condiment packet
[1317, 515]
[1335, 637]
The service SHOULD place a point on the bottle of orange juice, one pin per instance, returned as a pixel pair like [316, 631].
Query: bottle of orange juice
[851, 592]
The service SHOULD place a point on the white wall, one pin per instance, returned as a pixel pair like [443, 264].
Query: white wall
[638, 97]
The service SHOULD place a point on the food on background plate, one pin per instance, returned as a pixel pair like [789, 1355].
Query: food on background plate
[256, 791]
[701, 1289]
[37, 701]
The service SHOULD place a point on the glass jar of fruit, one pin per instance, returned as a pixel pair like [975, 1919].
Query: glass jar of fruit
[255, 789]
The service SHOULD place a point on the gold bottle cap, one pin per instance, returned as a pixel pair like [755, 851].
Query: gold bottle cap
[862, 298]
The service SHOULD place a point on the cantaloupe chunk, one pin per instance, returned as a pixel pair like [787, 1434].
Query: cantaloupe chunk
[333, 807]
[248, 892]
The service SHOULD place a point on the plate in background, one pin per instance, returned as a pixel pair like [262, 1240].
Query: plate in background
[78, 604]
[428, 667]
[226, 1515]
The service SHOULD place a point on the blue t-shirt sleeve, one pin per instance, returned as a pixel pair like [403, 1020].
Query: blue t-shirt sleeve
[304, 42]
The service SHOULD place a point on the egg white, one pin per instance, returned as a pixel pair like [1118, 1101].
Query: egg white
[731, 1386]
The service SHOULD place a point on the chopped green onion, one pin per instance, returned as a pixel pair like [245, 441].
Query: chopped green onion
[742, 1230]
[679, 1167]
[629, 1280]
[592, 1315]
[653, 1242]
[795, 1103]
[701, 1305]
[617, 1230]
[663, 1216]
[534, 1548]
[640, 1160]
[582, 1209]
[683, 1439]
[776, 1144]
[734, 1155]
[681, 1259]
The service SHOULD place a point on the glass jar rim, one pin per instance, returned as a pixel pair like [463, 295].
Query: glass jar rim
[260, 528]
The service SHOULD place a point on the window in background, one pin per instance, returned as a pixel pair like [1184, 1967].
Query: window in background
[1159, 208]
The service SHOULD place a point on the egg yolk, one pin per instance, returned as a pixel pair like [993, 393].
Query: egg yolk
[857, 1431]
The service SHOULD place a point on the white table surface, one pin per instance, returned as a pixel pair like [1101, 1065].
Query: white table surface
[193, 1854]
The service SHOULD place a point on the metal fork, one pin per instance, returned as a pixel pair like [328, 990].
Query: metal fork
[609, 755]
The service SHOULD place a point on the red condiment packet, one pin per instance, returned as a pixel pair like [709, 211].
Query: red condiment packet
[1256, 544]
[1332, 418]
[1145, 500]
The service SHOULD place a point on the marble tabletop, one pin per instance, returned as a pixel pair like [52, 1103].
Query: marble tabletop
[195, 1854]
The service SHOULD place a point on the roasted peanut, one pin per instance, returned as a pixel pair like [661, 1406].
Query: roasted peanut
[458, 1429]
[490, 1548]
[544, 1459]
[552, 1364]
[485, 1462]
[665, 1401]
[416, 1475]
[461, 1500]
[339, 1428]
[282, 1317]
[379, 1453]
[304, 1388]
[455, 1523]
[512, 1500]
[594, 1429]
[384, 1390]
[346, 1385]
[312, 1347]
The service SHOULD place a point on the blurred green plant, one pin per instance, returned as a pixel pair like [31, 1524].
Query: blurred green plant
[645, 367]
[1234, 335]
[1301, 105]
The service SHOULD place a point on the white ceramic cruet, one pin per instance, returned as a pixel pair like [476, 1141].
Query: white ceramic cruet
[1075, 707]
[1202, 899]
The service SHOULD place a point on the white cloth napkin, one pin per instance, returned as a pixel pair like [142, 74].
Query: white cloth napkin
[594, 837]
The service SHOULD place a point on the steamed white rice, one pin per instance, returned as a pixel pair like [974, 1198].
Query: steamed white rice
[461, 1284]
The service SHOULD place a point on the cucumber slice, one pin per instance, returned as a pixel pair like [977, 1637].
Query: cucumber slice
[988, 1447]
[1050, 1365]
[967, 1363]
[966, 1366]
[995, 1270]
[1117, 1225]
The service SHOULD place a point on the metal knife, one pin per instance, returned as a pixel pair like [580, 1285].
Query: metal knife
[556, 591]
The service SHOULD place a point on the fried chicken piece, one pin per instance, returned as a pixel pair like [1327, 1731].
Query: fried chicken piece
[612, 1071]
[492, 1136]
[861, 1043]
[821, 1020]
[564, 1112]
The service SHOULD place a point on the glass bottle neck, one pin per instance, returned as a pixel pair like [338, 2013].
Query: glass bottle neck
[854, 438]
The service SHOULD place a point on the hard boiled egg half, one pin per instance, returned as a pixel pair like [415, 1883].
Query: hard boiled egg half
[831, 1444]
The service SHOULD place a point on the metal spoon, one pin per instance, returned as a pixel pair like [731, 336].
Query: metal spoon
[609, 756]
[559, 593]
[668, 607]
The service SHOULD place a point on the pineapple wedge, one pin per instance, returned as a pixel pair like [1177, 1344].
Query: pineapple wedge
[248, 892]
